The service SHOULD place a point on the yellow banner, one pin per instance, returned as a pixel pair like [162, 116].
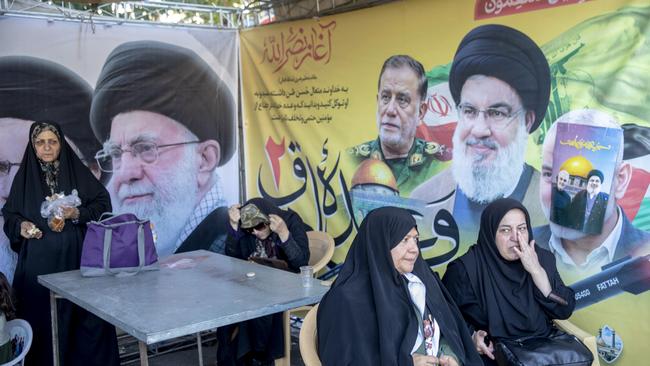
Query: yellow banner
[311, 108]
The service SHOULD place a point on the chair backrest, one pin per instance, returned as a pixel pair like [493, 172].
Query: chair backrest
[307, 341]
[588, 339]
[21, 334]
[321, 249]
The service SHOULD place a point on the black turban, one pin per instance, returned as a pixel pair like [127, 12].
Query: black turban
[508, 55]
[169, 80]
[597, 173]
[35, 89]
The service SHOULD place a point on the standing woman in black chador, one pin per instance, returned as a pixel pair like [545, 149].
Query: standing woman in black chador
[506, 286]
[50, 166]
[387, 307]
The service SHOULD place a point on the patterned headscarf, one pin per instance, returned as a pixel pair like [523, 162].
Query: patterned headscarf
[51, 169]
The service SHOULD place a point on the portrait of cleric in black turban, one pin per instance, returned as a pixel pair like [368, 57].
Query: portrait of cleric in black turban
[500, 82]
[33, 89]
[166, 121]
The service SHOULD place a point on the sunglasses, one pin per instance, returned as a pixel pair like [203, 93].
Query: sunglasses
[259, 227]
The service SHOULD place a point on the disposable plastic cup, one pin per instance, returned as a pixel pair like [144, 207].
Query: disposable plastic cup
[307, 275]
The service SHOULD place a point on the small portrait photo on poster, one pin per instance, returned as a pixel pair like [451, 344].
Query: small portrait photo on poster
[582, 175]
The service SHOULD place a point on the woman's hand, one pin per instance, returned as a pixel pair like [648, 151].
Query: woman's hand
[28, 230]
[234, 215]
[447, 361]
[423, 360]
[528, 257]
[56, 224]
[70, 213]
[278, 226]
[479, 342]
[527, 254]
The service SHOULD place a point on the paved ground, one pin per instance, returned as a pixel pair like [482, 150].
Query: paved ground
[189, 355]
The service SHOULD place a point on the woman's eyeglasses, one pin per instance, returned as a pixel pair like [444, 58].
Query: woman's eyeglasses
[259, 227]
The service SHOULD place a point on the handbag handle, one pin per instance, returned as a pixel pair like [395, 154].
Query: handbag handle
[111, 215]
[108, 235]
[101, 217]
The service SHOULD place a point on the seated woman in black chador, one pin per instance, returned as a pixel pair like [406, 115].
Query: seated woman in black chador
[261, 231]
[387, 307]
[50, 166]
[505, 285]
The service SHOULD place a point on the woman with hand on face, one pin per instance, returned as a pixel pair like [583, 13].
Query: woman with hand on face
[50, 166]
[505, 286]
[387, 307]
[262, 232]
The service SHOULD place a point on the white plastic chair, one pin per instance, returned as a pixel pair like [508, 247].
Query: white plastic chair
[21, 332]
[308, 339]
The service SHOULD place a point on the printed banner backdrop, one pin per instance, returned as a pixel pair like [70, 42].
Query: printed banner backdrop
[163, 85]
[310, 119]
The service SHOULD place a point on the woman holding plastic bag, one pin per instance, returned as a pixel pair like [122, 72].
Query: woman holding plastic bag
[45, 222]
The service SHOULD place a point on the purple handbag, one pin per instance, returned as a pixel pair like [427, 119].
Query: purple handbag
[121, 244]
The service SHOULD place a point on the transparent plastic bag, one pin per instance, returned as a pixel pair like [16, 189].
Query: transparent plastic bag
[52, 208]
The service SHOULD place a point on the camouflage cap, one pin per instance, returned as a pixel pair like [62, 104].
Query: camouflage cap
[251, 216]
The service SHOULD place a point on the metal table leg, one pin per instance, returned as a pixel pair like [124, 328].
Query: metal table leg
[55, 329]
[199, 346]
[144, 359]
[286, 322]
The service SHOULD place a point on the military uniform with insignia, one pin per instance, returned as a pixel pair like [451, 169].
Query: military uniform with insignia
[420, 163]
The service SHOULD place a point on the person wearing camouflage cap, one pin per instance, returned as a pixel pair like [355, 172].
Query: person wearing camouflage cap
[251, 217]
[260, 229]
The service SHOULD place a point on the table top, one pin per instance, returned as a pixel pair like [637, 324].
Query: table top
[192, 292]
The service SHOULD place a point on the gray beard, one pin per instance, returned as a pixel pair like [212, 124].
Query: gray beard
[175, 197]
[592, 191]
[560, 231]
[395, 141]
[8, 257]
[485, 183]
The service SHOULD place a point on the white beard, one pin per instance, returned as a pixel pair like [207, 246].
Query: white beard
[560, 231]
[174, 199]
[484, 183]
[592, 191]
[8, 257]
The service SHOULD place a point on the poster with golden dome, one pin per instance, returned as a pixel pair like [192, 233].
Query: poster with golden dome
[585, 159]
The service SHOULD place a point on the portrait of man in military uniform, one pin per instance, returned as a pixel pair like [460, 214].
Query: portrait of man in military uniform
[401, 104]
